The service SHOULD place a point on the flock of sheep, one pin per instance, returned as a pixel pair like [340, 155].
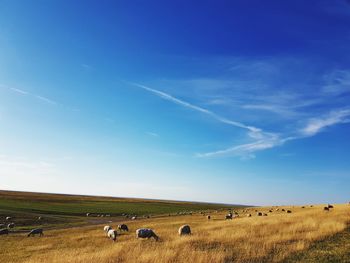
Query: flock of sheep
[141, 232]
[183, 230]
[145, 232]
[5, 228]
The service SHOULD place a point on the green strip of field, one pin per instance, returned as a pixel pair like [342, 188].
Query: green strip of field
[77, 206]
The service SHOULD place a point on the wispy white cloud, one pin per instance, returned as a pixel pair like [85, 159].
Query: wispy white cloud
[277, 109]
[316, 125]
[264, 140]
[317, 99]
[45, 99]
[246, 151]
[19, 91]
[270, 140]
[173, 99]
[26, 93]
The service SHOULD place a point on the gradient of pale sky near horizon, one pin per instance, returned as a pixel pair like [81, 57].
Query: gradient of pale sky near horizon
[222, 101]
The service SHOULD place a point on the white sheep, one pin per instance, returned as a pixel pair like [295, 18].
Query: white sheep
[112, 234]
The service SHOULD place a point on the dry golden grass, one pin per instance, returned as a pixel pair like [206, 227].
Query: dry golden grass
[256, 239]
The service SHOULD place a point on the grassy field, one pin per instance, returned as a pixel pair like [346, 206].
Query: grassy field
[69, 210]
[335, 248]
[279, 237]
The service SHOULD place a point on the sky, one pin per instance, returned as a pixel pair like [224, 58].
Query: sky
[242, 102]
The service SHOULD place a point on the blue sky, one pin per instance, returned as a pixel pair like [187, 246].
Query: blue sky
[222, 101]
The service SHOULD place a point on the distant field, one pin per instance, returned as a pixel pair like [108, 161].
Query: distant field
[307, 234]
[65, 210]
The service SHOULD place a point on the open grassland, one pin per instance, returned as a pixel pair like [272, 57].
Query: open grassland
[335, 248]
[59, 210]
[274, 238]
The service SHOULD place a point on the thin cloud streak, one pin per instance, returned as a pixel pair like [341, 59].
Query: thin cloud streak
[19, 91]
[23, 92]
[244, 150]
[46, 99]
[197, 108]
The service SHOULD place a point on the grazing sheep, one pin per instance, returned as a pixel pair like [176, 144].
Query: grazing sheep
[146, 233]
[208, 217]
[39, 218]
[264, 214]
[11, 225]
[4, 231]
[288, 211]
[107, 228]
[311, 206]
[184, 230]
[326, 208]
[303, 207]
[37, 231]
[330, 206]
[123, 227]
[87, 214]
[283, 210]
[228, 216]
[134, 218]
[270, 211]
[112, 234]
[8, 218]
[249, 215]
[277, 209]
[259, 214]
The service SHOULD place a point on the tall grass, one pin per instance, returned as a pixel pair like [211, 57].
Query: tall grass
[255, 239]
